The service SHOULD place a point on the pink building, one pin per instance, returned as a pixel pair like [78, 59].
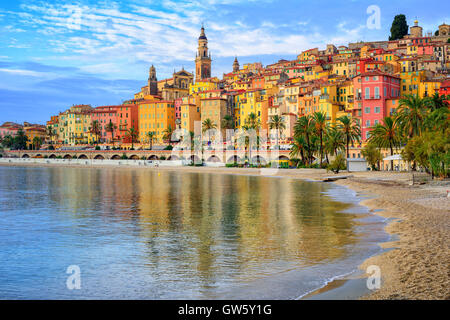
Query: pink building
[425, 50]
[9, 128]
[177, 105]
[376, 88]
[104, 115]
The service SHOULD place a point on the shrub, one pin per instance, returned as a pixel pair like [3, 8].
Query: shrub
[124, 157]
[169, 147]
[162, 158]
[338, 164]
[97, 147]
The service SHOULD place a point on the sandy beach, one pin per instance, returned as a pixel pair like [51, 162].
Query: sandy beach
[417, 264]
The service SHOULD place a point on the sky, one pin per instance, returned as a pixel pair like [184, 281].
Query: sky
[55, 54]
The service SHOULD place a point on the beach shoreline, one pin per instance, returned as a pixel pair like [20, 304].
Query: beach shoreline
[414, 265]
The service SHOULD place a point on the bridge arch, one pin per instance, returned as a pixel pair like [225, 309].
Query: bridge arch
[115, 157]
[195, 159]
[134, 157]
[67, 156]
[234, 159]
[83, 156]
[172, 157]
[99, 157]
[283, 158]
[52, 156]
[153, 157]
[214, 158]
[258, 160]
[25, 156]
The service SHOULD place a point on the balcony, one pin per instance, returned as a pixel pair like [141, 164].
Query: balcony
[372, 97]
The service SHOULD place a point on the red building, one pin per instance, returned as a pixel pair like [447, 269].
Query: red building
[376, 88]
[124, 117]
[445, 88]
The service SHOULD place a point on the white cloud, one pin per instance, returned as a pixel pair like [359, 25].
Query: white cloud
[21, 72]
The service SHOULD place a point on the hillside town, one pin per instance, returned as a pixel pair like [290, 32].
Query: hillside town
[364, 81]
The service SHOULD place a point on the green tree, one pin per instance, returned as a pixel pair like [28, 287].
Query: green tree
[227, 122]
[351, 131]
[96, 130]
[386, 135]
[8, 141]
[252, 122]
[167, 134]
[299, 148]
[110, 127]
[320, 127]
[207, 126]
[399, 27]
[151, 136]
[372, 154]
[334, 141]
[411, 115]
[20, 140]
[37, 142]
[338, 164]
[305, 127]
[133, 135]
[276, 122]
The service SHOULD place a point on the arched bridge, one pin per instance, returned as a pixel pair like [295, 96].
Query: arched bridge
[229, 156]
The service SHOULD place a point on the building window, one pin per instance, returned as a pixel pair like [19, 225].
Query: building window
[367, 110]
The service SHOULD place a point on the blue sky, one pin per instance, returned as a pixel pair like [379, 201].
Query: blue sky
[54, 54]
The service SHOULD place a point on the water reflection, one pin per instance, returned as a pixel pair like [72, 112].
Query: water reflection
[189, 232]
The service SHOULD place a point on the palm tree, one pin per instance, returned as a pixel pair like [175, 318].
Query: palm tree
[96, 130]
[207, 125]
[253, 122]
[299, 146]
[351, 130]
[151, 136]
[110, 127]
[438, 116]
[167, 134]
[276, 122]
[20, 140]
[227, 122]
[37, 142]
[320, 126]
[133, 135]
[304, 127]
[411, 115]
[50, 133]
[437, 101]
[334, 141]
[387, 135]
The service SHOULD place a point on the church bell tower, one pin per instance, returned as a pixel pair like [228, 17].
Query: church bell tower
[203, 58]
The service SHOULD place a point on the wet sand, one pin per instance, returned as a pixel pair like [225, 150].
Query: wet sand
[417, 264]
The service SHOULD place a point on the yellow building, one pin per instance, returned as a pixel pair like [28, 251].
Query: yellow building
[155, 116]
[32, 132]
[190, 113]
[203, 85]
[214, 109]
[428, 88]
[328, 103]
[75, 125]
[250, 102]
[410, 82]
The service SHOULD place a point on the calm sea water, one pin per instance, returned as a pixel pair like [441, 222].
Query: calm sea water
[142, 234]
